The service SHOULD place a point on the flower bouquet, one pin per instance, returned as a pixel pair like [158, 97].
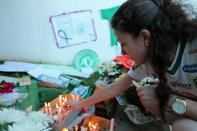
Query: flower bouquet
[15, 120]
[111, 70]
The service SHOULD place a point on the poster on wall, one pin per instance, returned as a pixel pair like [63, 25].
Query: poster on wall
[73, 28]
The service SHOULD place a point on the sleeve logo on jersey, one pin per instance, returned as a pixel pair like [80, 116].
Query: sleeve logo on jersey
[190, 68]
[182, 85]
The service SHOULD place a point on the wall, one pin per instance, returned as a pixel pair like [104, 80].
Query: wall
[26, 33]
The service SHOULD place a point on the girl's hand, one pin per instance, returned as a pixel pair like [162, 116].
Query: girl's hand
[75, 105]
[72, 105]
[148, 98]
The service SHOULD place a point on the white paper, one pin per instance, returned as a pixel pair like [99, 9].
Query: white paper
[42, 71]
[14, 66]
[54, 71]
[86, 72]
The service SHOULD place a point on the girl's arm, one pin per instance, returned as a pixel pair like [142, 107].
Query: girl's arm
[107, 92]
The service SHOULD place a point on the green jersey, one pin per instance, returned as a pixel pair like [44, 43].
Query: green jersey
[181, 75]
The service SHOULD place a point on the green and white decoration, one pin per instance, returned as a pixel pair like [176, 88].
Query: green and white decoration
[86, 59]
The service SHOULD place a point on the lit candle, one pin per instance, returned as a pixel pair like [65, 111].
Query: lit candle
[58, 111]
[60, 100]
[76, 128]
[73, 97]
[65, 129]
[92, 127]
[56, 106]
[45, 108]
[65, 99]
[50, 110]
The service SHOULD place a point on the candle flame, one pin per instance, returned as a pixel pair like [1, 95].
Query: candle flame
[49, 105]
[73, 97]
[64, 129]
[76, 128]
[89, 124]
[56, 105]
[60, 96]
[45, 104]
[92, 125]
[65, 99]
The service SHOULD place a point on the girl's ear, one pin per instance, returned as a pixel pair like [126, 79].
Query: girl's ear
[145, 36]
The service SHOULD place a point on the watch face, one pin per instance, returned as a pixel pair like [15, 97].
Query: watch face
[178, 107]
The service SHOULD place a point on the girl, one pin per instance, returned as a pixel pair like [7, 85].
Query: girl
[161, 38]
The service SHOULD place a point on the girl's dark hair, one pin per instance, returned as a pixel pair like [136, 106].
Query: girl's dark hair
[168, 23]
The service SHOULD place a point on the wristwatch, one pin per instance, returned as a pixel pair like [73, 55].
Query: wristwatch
[179, 106]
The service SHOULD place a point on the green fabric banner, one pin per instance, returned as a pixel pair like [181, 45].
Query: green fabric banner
[108, 14]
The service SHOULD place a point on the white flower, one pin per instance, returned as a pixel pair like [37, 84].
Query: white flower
[148, 81]
[40, 117]
[113, 73]
[35, 121]
[108, 66]
[28, 126]
[11, 115]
